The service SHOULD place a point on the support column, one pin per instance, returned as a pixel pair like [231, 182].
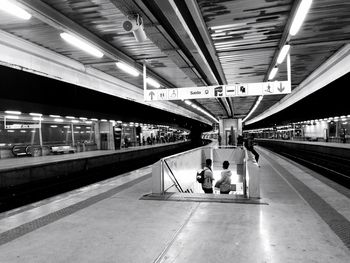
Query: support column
[230, 127]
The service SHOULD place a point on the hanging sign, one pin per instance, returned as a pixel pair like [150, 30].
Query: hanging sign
[22, 126]
[237, 90]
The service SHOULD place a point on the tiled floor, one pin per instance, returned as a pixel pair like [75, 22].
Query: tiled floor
[107, 222]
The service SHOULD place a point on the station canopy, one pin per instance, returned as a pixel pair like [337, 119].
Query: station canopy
[186, 44]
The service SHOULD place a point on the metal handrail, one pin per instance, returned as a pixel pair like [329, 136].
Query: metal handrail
[176, 183]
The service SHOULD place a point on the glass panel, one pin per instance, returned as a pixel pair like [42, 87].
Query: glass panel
[84, 133]
[56, 134]
[18, 132]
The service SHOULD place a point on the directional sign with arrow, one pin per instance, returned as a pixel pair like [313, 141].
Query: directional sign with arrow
[151, 95]
[237, 90]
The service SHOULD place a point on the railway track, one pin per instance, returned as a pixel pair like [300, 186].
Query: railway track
[335, 168]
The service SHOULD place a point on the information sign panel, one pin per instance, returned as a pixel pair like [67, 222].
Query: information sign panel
[237, 90]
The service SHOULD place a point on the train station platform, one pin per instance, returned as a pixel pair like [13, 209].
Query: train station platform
[16, 173]
[24, 162]
[300, 218]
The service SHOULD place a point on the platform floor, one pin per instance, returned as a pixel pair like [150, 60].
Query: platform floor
[305, 220]
[21, 162]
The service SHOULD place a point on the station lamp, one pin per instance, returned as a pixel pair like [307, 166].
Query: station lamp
[14, 10]
[13, 112]
[298, 20]
[75, 41]
[153, 83]
[128, 69]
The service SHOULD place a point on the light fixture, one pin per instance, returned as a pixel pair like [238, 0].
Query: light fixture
[94, 119]
[103, 120]
[152, 82]
[81, 44]
[58, 120]
[53, 126]
[55, 116]
[273, 73]
[83, 118]
[37, 119]
[35, 114]
[13, 112]
[188, 102]
[75, 121]
[70, 117]
[12, 117]
[14, 10]
[300, 16]
[128, 69]
[283, 53]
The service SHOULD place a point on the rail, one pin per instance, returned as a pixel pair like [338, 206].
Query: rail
[177, 173]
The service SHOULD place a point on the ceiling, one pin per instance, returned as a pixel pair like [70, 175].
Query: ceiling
[184, 47]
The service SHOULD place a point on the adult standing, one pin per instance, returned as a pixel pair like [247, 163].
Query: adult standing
[249, 144]
[225, 182]
[207, 185]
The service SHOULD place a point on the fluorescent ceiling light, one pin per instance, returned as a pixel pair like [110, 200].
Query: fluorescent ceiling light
[83, 118]
[13, 112]
[153, 83]
[283, 53]
[37, 119]
[58, 120]
[128, 69]
[70, 117]
[35, 114]
[55, 116]
[11, 117]
[93, 119]
[273, 73]
[81, 44]
[188, 102]
[53, 126]
[103, 120]
[14, 10]
[75, 121]
[300, 16]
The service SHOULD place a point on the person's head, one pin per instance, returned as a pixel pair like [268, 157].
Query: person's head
[208, 162]
[225, 164]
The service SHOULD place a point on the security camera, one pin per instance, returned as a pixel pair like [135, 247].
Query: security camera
[135, 25]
